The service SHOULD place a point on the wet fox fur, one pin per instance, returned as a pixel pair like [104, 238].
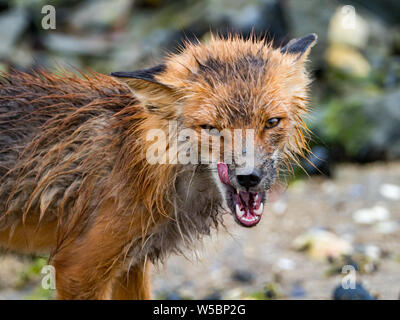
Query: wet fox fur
[74, 180]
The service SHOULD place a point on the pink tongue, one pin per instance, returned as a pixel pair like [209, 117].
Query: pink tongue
[245, 197]
[222, 169]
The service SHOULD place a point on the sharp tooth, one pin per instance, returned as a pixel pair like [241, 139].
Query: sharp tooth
[237, 191]
[256, 198]
[259, 211]
[238, 211]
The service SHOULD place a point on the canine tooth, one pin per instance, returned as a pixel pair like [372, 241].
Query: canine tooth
[259, 210]
[238, 211]
[256, 198]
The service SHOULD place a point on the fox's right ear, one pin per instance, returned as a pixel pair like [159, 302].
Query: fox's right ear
[300, 47]
[147, 88]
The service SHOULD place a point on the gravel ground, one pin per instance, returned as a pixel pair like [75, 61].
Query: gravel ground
[265, 254]
[241, 263]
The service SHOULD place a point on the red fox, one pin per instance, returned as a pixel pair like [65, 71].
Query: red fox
[75, 180]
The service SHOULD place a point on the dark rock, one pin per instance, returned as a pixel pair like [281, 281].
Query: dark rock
[384, 113]
[215, 295]
[388, 10]
[365, 125]
[173, 296]
[273, 291]
[243, 276]
[318, 162]
[304, 17]
[358, 293]
[12, 25]
[69, 44]
[298, 291]
[98, 15]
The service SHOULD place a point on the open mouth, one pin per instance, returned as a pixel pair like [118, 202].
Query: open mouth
[247, 207]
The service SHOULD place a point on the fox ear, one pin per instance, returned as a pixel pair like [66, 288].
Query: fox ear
[300, 47]
[152, 93]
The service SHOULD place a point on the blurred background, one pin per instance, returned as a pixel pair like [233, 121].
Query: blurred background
[346, 213]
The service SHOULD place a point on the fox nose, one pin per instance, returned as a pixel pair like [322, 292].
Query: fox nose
[249, 180]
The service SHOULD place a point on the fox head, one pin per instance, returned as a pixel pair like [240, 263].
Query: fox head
[232, 90]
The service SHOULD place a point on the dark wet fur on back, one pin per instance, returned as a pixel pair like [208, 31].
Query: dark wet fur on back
[49, 124]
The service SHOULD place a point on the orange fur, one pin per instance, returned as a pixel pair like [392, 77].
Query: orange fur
[75, 181]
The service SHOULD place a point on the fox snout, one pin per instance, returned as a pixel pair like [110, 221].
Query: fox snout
[244, 189]
[258, 178]
[249, 180]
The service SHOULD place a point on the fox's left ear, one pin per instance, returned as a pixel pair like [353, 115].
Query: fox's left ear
[300, 47]
[150, 92]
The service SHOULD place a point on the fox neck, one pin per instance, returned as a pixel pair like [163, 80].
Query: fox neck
[194, 209]
[181, 202]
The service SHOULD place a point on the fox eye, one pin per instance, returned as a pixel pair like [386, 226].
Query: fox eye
[207, 127]
[211, 130]
[273, 122]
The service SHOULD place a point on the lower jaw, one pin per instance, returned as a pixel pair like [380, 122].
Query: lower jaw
[248, 224]
[246, 217]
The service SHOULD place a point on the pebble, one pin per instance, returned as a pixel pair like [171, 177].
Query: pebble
[371, 215]
[371, 251]
[356, 190]
[322, 244]
[286, 264]
[279, 207]
[386, 227]
[390, 191]
[235, 293]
